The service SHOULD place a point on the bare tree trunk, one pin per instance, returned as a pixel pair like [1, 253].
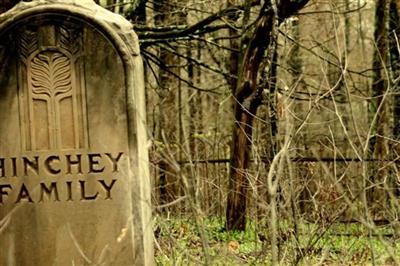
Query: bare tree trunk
[234, 43]
[378, 110]
[267, 145]
[168, 118]
[394, 38]
[394, 50]
[195, 105]
[248, 98]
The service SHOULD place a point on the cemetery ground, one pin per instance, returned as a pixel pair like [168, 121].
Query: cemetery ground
[195, 241]
[291, 107]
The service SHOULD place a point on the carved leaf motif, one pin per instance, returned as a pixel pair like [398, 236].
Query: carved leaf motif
[70, 39]
[28, 43]
[51, 74]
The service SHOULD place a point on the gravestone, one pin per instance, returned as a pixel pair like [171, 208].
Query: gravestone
[74, 182]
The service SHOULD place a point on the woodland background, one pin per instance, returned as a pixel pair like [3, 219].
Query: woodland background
[274, 129]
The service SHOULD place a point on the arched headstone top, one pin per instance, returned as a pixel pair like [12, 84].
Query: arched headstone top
[114, 26]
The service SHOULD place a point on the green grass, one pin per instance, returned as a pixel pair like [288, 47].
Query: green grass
[183, 241]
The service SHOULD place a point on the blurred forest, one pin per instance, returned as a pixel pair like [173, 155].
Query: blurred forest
[274, 128]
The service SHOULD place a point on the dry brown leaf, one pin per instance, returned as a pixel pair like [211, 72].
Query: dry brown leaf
[233, 246]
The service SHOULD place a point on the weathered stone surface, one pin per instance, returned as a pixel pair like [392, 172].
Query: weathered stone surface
[74, 183]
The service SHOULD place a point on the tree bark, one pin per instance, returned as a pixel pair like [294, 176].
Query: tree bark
[378, 110]
[168, 118]
[246, 103]
[247, 100]
[394, 38]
